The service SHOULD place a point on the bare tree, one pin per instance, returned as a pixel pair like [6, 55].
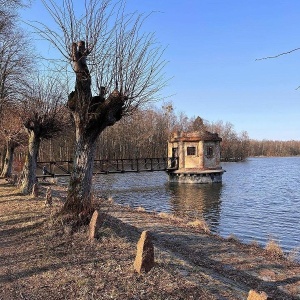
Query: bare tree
[9, 13]
[43, 116]
[127, 66]
[235, 146]
[16, 62]
[60, 147]
[12, 131]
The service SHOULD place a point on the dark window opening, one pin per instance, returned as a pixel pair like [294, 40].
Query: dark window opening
[174, 158]
[174, 152]
[209, 151]
[191, 151]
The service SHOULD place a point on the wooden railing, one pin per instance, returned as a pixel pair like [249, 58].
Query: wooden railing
[107, 166]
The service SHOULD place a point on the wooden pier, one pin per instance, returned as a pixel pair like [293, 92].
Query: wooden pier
[109, 166]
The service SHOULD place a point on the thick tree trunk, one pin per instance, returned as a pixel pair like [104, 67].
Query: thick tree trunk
[30, 165]
[8, 161]
[79, 191]
[91, 116]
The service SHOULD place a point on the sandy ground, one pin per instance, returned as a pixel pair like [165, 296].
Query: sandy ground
[41, 258]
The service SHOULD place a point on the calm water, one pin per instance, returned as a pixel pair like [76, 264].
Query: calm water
[258, 200]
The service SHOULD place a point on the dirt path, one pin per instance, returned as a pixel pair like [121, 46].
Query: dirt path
[225, 268]
[39, 259]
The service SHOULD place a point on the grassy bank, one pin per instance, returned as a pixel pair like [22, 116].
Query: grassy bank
[42, 258]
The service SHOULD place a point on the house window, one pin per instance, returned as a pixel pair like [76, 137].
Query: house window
[174, 152]
[209, 151]
[191, 151]
[174, 158]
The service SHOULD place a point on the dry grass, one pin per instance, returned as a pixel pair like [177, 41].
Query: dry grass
[168, 216]
[254, 244]
[293, 254]
[233, 238]
[164, 215]
[273, 249]
[141, 209]
[110, 200]
[200, 223]
[41, 258]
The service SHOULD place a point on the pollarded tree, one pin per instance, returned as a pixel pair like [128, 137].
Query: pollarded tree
[104, 42]
[12, 131]
[43, 116]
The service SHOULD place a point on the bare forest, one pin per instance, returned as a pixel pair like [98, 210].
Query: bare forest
[145, 134]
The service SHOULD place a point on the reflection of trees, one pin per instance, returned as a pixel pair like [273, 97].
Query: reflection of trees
[196, 201]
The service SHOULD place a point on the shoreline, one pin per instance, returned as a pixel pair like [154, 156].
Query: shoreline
[200, 264]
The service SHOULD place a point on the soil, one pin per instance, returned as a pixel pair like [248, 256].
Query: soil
[43, 257]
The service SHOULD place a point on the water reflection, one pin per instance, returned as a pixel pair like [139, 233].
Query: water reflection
[196, 201]
[153, 192]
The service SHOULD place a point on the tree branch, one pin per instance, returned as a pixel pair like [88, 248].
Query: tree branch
[281, 54]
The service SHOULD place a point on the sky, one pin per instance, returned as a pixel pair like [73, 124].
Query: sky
[213, 47]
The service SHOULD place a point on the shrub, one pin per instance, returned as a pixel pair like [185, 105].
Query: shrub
[274, 249]
[200, 223]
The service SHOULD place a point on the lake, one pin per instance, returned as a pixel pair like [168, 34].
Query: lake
[258, 200]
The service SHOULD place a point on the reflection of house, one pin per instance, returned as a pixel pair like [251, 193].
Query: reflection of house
[195, 157]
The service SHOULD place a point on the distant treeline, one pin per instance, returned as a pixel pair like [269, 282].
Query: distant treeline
[145, 134]
[274, 148]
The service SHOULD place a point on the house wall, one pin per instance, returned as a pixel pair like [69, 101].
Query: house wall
[193, 161]
[202, 159]
[187, 161]
[211, 161]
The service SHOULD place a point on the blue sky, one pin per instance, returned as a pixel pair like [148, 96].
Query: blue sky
[212, 47]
